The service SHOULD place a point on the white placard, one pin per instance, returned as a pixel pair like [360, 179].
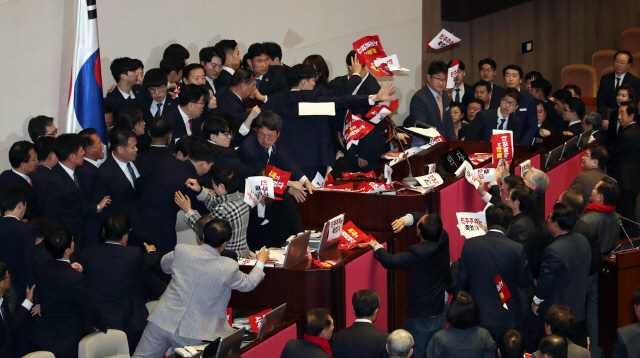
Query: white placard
[469, 224]
[389, 60]
[443, 39]
[430, 180]
[384, 112]
[263, 186]
[250, 197]
[317, 109]
[452, 73]
[335, 226]
[318, 181]
[387, 173]
[525, 167]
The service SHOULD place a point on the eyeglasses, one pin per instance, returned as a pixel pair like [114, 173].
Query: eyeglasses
[8, 276]
[439, 79]
[157, 89]
[227, 133]
[486, 70]
[269, 137]
[567, 110]
[512, 104]
[473, 109]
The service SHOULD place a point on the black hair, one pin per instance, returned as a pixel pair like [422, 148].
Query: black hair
[116, 227]
[44, 147]
[513, 181]
[609, 190]
[513, 67]
[316, 321]
[632, 109]
[106, 107]
[462, 107]
[463, 311]
[431, 228]
[540, 102]
[19, 153]
[207, 54]
[482, 83]
[499, 215]
[527, 199]
[216, 232]
[190, 94]
[576, 105]
[138, 63]
[513, 93]
[273, 50]
[225, 174]
[122, 65]
[3, 270]
[86, 137]
[227, 47]
[129, 118]
[38, 126]
[67, 144]
[460, 65]
[119, 137]
[215, 126]
[185, 145]
[540, 84]
[562, 95]
[624, 52]
[11, 197]
[436, 67]
[533, 75]
[575, 199]
[554, 347]
[176, 51]
[298, 73]
[155, 77]
[203, 152]
[575, 88]
[636, 296]
[511, 344]
[190, 67]
[630, 92]
[560, 320]
[57, 241]
[242, 76]
[170, 64]
[487, 61]
[160, 126]
[478, 101]
[43, 226]
[365, 303]
[269, 120]
[255, 50]
[564, 216]
[351, 54]
[318, 63]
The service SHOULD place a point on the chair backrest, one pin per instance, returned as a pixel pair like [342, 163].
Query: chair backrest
[636, 61]
[602, 59]
[609, 69]
[40, 354]
[631, 40]
[150, 305]
[112, 344]
[584, 76]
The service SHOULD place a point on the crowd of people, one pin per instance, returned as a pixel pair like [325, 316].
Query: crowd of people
[88, 232]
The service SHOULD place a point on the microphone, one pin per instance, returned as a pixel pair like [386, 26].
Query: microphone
[409, 180]
[625, 234]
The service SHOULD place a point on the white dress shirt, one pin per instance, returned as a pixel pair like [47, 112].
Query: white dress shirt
[123, 167]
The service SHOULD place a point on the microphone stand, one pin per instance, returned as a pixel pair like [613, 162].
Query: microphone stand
[409, 180]
[633, 247]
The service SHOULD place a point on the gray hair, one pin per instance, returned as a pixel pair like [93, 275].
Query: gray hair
[540, 180]
[399, 343]
[593, 118]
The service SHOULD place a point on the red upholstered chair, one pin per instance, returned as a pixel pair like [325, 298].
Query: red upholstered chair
[631, 40]
[584, 76]
[610, 69]
[602, 59]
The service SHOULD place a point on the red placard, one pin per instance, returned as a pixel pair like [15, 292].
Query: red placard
[393, 105]
[280, 178]
[256, 320]
[229, 316]
[329, 179]
[370, 49]
[503, 291]
[391, 130]
[369, 186]
[356, 130]
[351, 234]
[346, 187]
[369, 174]
[502, 145]
[325, 264]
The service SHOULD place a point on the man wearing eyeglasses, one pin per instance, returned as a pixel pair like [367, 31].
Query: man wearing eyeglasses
[157, 103]
[430, 105]
[573, 113]
[527, 109]
[503, 118]
[487, 70]
[211, 59]
[187, 116]
[610, 82]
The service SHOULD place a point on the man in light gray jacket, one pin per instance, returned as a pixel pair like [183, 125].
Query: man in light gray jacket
[194, 306]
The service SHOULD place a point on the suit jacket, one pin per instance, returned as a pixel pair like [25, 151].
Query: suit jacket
[144, 103]
[17, 250]
[66, 303]
[424, 108]
[361, 339]
[573, 351]
[230, 103]
[467, 97]
[300, 348]
[586, 181]
[115, 276]
[117, 185]
[282, 220]
[575, 128]
[223, 81]
[627, 342]
[496, 96]
[481, 260]
[148, 159]
[9, 326]
[563, 274]
[10, 179]
[606, 96]
[462, 343]
[118, 102]
[272, 83]
[180, 127]
[253, 154]
[195, 302]
[527, 112]
[481, 128]
[229, 156]
[89, 179]
[429, 265]
[607, 226]
[624, 165]
[523, 231]
[40, 176]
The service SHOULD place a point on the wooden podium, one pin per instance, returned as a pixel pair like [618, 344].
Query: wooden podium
[619, 276]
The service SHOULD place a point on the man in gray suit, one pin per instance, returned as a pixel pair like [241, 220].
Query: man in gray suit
[194, 306]
[628, 342]
[430, 105]
[594, 161]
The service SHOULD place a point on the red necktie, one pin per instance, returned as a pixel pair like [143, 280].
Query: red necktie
[191, 125]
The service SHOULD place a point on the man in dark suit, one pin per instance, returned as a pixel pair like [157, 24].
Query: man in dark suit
[11, 319]
[430, 105]
[527, 107]
[160, 130]
[318, 332]
[61, 197]
[172, 66]
[504, 118]
[610, 82]
[186, 117]
[230, 63]
[17, 240]
[115, 273]
[89, 178]
[41, 126]
[594, 161]
[482, 92]
[267, 82]
[624, 164]
[65, 299]
[47, 159]
[487, 70]
[260, 150]
[486, 259]
[545, 125]
[123, 70]
[461, 91]
[157, 102]
[211, 59]
[24, 162]
[627, 337]
[541, 90]
[563, 274]
[573, 113]
[430, 275]
[362, 338]
[216, 131]
[274, 51]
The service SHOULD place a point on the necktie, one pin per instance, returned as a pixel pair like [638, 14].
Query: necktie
[501, 125]
[191, 125]
[457, 94]
[75, 179]
[31, 182]
[258, 82]
[159, 110]
[2, 313]
[617, 82]
[440, 107]
[132, 173]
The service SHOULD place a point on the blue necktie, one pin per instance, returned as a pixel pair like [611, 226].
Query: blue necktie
[258, 82]
[159, 110]
[132, 173]
[457, 94]
[75, 179]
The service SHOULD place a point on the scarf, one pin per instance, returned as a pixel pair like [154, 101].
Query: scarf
[599, 207]
[323, 343]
